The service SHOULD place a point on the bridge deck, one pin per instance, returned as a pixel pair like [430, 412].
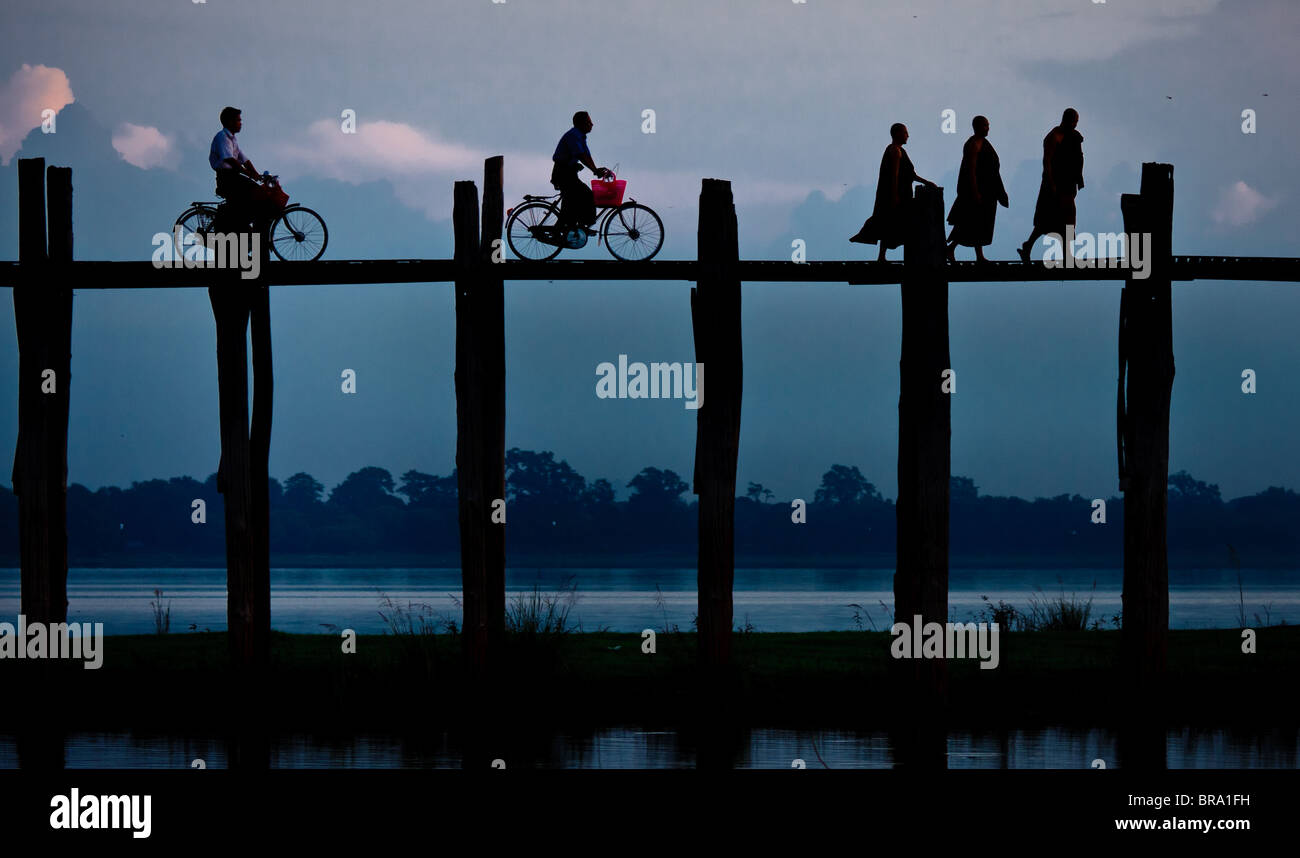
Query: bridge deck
[143, 275]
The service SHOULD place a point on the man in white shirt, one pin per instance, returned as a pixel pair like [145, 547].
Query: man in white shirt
[236, 176]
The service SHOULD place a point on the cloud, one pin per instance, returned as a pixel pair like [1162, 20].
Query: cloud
[145, 146]
[1240, 204]
[421, 166]
[28, 92]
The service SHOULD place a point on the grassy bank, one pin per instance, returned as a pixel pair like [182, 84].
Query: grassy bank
[411, 682]
[551, 560]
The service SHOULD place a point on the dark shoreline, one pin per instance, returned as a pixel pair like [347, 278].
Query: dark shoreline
[680, 561]
[408, 683]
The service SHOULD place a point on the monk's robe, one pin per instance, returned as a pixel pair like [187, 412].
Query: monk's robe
[888, 222]
[973, 222]
[1062, 163]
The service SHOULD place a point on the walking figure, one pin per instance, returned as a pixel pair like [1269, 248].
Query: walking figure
[979, 191]
[889, 218]
[1062, 179]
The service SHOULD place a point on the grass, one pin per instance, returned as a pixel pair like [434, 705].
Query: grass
[414, 627]
[1046, 613]
[181, 681]
[1057, 613]
[543, 615]
[162, 618]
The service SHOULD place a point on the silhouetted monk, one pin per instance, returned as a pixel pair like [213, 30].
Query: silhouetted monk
[1062, 179]
[979, 190]
[888, 222]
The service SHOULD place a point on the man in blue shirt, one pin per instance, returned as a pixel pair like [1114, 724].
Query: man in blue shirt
[577, 204]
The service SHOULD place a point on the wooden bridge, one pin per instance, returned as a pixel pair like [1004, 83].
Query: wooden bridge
[45, 275]
[145, 275]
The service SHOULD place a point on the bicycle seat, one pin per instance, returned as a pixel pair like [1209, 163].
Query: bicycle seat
[532, 197]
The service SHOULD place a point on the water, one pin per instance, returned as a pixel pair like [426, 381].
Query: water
[625, 600]
[633, 747]
[787, 600]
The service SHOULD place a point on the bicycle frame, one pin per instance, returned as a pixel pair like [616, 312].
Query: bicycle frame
[603, 213]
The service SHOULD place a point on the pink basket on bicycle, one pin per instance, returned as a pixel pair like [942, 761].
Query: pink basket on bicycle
[608, 192]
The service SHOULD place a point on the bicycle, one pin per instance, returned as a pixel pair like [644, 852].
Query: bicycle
[631, 231]
[298, 234]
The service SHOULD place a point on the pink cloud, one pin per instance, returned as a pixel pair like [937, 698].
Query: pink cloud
[23, 98]
[145, 146]
[1240, 204]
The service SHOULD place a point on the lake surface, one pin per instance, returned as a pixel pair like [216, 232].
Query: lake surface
[626, 600]
[633, 747]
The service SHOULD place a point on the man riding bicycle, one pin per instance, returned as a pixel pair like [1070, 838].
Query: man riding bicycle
[577, 203]
[237, 178]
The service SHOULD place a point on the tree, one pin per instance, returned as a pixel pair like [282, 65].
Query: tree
[302, 492]
[656, 489]
[365, 491]
[845, 485]
[758, 494]
[429, 490]
[1182, 486]
[532, 475]
[963, 490]
[599, 494]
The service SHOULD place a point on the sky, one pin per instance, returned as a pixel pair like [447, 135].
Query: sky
[790, 101]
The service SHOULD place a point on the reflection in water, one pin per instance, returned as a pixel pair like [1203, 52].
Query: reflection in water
[631, 747]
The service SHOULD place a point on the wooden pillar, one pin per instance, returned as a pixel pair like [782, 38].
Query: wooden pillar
[715, 319]
[924, 436]
[230, 308]
[242, 475]
[260, 455]
[480, 418]
[43, 318]
[1147, 352]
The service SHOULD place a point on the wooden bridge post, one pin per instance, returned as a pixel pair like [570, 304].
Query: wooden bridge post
[480, 417]
[1146, 345]
[715, 317]
[242, 475]
[259, 295]
[924, 439]
[43, 318]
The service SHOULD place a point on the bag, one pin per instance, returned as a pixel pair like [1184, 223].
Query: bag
[271, 195]
[608, 192]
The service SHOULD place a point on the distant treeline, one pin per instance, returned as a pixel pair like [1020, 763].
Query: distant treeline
[555, 516]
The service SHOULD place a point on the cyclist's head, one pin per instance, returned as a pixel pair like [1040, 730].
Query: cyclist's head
[582, 121]
[1070, 118]
[230, 118]
[898, 132]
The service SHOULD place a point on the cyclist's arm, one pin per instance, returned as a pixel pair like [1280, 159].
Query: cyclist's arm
[591, 165]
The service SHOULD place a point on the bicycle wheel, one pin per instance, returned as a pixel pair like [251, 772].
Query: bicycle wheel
[299, 235]
[195, 221]
[634, 233]
[525, 228]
